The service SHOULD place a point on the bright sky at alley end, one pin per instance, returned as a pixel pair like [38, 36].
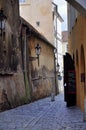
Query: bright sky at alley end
[62, 9]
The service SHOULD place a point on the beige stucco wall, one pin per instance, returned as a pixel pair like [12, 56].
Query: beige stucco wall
[39, 10]
[77, 39]
[42, 76]
[46, 56]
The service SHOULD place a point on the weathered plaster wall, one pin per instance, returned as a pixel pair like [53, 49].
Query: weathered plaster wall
[42, 76]
[12, 88]
[40, 11]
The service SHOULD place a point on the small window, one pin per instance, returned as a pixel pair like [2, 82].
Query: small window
[38, 23]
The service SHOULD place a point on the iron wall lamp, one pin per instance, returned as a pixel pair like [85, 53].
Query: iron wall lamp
[2, 21]
[55, 50]
[58, 67]
[37, 51]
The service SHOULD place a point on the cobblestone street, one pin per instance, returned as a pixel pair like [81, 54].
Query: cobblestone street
[43, 115]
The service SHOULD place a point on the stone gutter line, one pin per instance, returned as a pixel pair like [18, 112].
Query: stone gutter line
[35, 120]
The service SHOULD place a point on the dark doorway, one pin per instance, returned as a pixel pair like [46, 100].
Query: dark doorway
[69, 81]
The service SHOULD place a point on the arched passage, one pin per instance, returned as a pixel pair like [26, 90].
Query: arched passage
[77, 80]
[73, 57]
[82, 75]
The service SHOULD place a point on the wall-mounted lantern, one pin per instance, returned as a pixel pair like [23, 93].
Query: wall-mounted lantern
[58, 67]
[38, 51]
[2, 21]
[55, 50]
[55, 57]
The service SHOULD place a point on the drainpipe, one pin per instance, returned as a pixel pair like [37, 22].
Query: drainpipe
[27, 89]
[24, 49]
[57, 59]
[53, 93]
[56, 76]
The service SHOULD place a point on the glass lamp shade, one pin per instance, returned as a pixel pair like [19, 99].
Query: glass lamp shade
[58, 66]
[38, 50]
[2, 24]
[55, 50]
[2, 20]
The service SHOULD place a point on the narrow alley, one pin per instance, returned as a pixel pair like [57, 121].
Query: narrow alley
[43, 115]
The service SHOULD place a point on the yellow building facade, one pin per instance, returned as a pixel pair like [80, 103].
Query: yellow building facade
[77, 46]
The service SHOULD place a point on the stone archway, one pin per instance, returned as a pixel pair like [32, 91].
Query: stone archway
[82, 78]
[73, 58]
[77, 80]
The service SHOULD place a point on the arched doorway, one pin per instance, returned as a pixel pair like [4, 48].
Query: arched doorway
[82, 78]
[77, 80]
[69, 81]
[73, 58]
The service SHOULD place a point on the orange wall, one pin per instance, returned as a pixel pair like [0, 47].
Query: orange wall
[77, 38]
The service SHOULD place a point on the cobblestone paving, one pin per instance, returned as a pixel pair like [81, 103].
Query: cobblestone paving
[43, 115]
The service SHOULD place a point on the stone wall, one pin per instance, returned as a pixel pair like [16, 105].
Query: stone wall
[12, 88]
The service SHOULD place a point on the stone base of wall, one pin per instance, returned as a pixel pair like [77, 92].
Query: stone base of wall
[43, 83]
[12, 91]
